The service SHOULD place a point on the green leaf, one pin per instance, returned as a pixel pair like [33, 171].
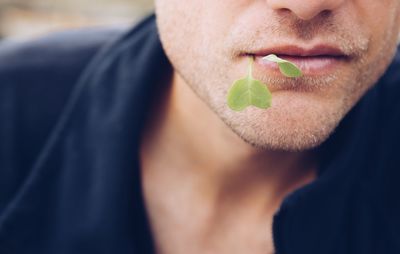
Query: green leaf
[287, 68]
[251, 92]
[248, 92]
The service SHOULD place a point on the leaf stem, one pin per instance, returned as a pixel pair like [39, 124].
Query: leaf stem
[251, 62]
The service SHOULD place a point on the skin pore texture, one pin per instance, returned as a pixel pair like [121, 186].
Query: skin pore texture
[212, 177]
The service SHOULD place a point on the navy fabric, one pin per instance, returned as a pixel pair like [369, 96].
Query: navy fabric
[36, 79]
[72, 107]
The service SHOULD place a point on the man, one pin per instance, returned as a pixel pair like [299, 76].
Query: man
[134, 151]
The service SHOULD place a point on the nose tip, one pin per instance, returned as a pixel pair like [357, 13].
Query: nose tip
[305, 10]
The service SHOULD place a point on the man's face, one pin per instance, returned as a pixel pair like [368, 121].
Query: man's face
[342, 46]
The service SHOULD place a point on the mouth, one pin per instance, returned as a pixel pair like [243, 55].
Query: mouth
[316, 60]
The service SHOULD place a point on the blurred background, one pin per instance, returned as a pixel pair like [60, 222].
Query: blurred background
[30, 18]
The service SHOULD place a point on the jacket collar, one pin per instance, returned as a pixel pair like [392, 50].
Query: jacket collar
[83, 194]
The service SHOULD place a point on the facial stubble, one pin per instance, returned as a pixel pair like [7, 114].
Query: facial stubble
[293, 123]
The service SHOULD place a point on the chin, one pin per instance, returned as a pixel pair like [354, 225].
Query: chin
[291, 124]
[288, 138]
[290, 142]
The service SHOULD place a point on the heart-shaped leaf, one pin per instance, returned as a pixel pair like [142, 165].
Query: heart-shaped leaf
[287, 68]
[249, 92]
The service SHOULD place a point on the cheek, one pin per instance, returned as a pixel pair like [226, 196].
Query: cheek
[209, 23]
[193, 34]
[179, 23]
[382, 20]
[188, 29]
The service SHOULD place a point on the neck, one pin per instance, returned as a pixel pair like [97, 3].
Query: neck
[192, 145]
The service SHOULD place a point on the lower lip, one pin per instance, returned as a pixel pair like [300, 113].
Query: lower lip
[309, 65]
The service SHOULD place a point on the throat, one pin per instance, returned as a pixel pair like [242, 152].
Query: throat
[194, 211]
[184, 219]
[205, 189]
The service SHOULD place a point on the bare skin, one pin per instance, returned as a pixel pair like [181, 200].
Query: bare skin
[206, 190]
[213, 179]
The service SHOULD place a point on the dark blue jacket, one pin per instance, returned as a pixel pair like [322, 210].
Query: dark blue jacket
[72, 107]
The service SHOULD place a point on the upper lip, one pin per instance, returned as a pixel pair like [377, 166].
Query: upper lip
[294, 50]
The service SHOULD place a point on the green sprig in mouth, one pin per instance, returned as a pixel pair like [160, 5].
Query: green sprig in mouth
[249, 91]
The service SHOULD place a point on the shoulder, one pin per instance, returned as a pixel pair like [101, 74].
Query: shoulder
[61, 55]
[36, 76]
[36, 79]
[48, 66]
